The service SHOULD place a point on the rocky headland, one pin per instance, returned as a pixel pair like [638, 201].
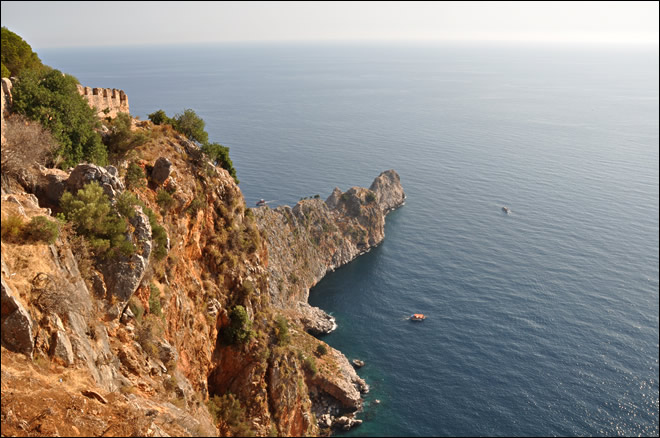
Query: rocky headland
[138, 344]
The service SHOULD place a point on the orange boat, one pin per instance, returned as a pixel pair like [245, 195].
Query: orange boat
[417, 317]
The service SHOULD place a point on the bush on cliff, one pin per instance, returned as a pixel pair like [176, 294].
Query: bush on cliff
[192, 126]
[17, 55]
[95, 218]
[41, 229]
[135, 177]
[219, 154]
[228, 412]
[282, 331]
[54, 101]
[240, 327]
[160, 118]
[121, 138]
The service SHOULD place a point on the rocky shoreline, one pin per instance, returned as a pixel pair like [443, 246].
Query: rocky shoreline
[305, 243]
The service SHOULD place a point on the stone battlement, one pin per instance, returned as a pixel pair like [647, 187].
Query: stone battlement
[115, 101]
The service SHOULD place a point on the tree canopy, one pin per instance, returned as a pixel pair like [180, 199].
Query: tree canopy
[54, 101]
[17, 55]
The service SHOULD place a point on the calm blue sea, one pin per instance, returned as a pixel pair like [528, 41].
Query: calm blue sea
[541, 322]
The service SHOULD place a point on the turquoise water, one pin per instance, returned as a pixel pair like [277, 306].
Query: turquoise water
[540, 322]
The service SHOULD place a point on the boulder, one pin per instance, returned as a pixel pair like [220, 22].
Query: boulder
[61, 349]
[107, 177]
[17, 327]
[161, 171]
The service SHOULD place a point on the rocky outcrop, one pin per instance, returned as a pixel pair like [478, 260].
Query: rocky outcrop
[161, 170]
[306, 242]
[123, 275]
[16, 323]
[316, 237]
[107, 177]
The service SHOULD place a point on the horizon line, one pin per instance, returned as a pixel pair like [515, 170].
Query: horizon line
[592, 43]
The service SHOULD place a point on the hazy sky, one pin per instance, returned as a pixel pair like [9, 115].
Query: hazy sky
[60, 24]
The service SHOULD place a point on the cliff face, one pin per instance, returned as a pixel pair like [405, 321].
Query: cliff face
[316, 237]
[134, 346]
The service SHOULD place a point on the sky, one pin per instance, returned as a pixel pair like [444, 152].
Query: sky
[69, 24]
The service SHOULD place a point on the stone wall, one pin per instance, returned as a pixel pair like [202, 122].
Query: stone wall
[115, 101]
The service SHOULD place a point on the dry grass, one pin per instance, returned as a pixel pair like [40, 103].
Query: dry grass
[27, 142]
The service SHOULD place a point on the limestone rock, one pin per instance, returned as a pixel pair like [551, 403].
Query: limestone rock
[315, 320]
[161, 171]
[17, 326]
[123, 275]
[107, 177]
[388, 190]
[60, 348]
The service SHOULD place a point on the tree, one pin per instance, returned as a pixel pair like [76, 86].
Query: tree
[159, 118]
[240, 326]
[191, 125]
[54, 101]
[219, 154]
[94, 217]
[17, 55]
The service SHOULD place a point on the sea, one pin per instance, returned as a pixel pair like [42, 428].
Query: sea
[540, 322]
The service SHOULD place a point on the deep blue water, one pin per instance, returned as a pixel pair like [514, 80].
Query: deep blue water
[541, 322]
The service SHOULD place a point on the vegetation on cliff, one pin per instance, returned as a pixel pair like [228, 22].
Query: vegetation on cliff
[17, 55]
[53, 100]
[192, 126]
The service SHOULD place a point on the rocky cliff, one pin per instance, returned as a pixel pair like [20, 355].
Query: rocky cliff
[138, 344]
[316, 237]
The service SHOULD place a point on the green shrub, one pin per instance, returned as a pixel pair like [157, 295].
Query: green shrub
[219, 154]
[322, 350]
[164, 200]
[159, 118]
[12, 227]
[158, 234]
[240, 327]
[191, 125]
[194, 206]
[228, 410]
[121, 138]
[17, 55]
[310, 364]
[371, 197]
[282, 330]
[136, 308]
[154, 300]
[54, 101]
[40, 228]
[94, 217]
[126, 203]
[135, 177]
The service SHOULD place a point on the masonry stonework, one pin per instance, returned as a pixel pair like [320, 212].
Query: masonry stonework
[110, 99]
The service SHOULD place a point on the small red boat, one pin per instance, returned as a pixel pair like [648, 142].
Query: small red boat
[417, 317]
